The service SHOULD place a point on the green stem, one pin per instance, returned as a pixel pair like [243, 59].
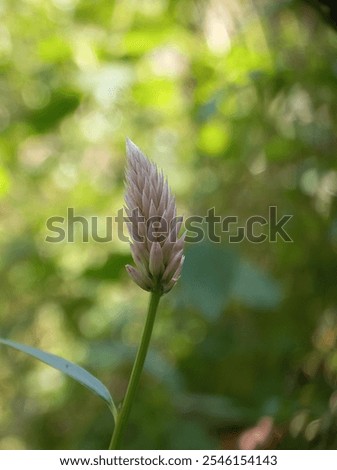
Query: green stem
[124, 413]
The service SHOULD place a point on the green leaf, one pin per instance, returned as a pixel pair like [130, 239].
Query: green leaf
[207, 277]
[255, 288]
[112, 269]
[62, 103]
[72, 370]
[217, 409]
[214, 275]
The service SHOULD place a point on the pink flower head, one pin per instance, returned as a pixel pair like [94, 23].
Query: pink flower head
[153, 225]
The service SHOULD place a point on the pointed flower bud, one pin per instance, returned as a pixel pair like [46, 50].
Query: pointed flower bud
[153, 226]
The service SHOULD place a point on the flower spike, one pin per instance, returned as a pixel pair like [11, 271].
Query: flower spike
[153, 225]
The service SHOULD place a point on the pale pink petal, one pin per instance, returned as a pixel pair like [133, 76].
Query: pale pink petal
[139, 278]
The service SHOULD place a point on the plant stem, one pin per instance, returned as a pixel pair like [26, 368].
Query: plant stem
[138, 365]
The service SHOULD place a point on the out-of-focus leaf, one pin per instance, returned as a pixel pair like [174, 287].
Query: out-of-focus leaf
[161, 94]
[218, 409]
[254, 288]
[101, 14]
[111, 355]
[214, 138]
[74, 371]
[214, 275]
[112, 269]
[191, 436]
[333, 231]
[54, 49]
[62, 103]
[279, 148]
[137, 42]
[211, 107]
[5, 181]
[207, 278]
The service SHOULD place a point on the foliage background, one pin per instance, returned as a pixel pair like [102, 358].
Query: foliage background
[236, 101]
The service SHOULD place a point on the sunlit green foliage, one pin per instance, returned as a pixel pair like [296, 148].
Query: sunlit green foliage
[236, 101]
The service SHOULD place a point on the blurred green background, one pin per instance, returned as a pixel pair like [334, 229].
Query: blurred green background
[236, 101]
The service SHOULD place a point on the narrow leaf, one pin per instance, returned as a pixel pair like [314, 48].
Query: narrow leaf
[72, 370]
